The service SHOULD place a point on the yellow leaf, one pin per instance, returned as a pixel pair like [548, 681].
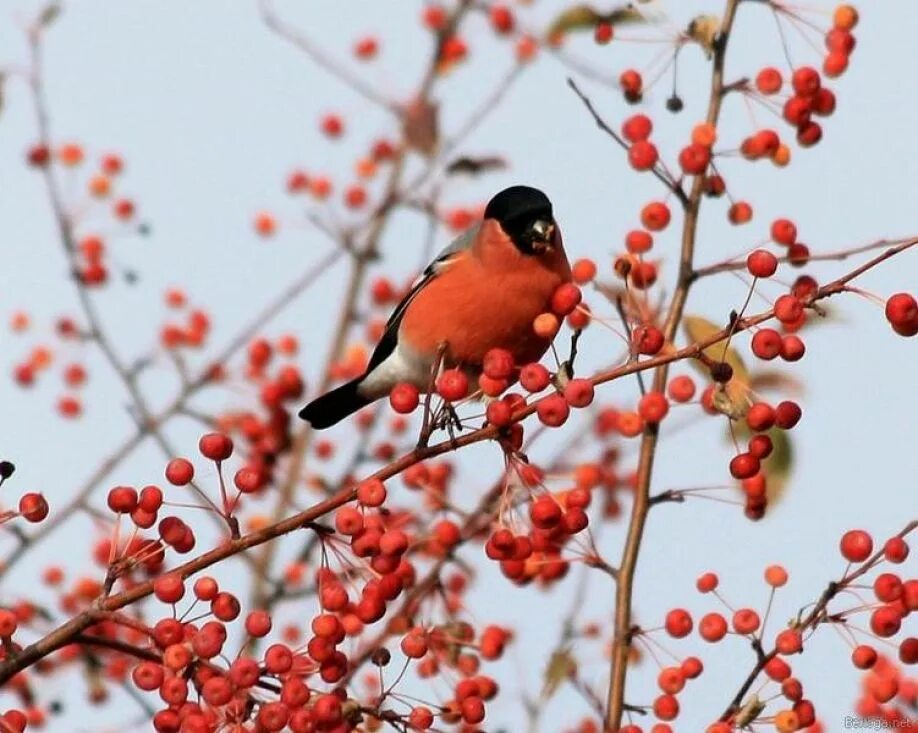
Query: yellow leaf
[778, 465]
[578, 17]
[768, 379]
[703, 30]
[733, 401]
[586, 17]
[560, 667]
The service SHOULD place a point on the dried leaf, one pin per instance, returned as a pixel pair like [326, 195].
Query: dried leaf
[768, 379]
[560, 667]
[578, 17]
[704, 29]
[733, 402]
[49, 14]
[778, 465]
[586, 17]
[420, 126]
[750, 710]
[728, 404]
[476, 166]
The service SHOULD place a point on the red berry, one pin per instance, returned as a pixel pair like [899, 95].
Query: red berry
[712, 627]
[761, 263]
[789, 641]
[707, 582]
[637, 241]
[788, 308]
[885, 621]
[603, 33]
[258, 624]
[637, 128]
[768, 80]
[902, 314]
[414, 644]
[179, 472]
[33, 507]
[775, 576]
[371, 493]
[864, 657]
[895, 550]
[216, 446]
[553, 410]
[744, 465]
[792, 348]
[681, 388]
[784, 231]
[534, 377]
[805, 81]
[122, 499]
[579, 392]
[169, 588]
[502, 19]
[332, 125]
[565, 299]
[787, 414]
[499, 413]
[653, 407]
[498, 364]
[856, 545]
[583, 271]
[643, 155]
[746, 621]
[694, 159]
[678, 623]
[655, 216]
[647, 340]
[760, 417]
[632, 85]
[404, 398]
[453, 385]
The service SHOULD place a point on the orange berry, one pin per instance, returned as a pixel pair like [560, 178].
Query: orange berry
[100, 185]
[546, 325]
[845, 17]
[70, 154]
[265, 224]
[740, 213]
[775, 576]
[704, 134]
[583, 271]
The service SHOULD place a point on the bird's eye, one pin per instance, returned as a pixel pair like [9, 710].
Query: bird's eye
[541, 230]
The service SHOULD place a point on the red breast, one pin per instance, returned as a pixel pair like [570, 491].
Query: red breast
[487, 298]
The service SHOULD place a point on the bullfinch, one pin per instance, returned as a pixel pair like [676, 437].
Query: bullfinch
[482, 292]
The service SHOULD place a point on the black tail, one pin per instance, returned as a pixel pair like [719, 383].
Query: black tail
[334, 406]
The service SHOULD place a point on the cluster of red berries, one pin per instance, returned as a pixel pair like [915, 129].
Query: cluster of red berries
[40, 358]
[895, 600]
[99, 184]
[536, 554]
[320, 187]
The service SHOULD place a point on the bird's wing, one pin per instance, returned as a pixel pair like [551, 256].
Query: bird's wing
[456, 248]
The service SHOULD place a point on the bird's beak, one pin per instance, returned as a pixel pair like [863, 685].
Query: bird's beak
[541, 234]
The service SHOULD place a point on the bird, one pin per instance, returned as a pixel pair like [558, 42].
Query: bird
[480, 293]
